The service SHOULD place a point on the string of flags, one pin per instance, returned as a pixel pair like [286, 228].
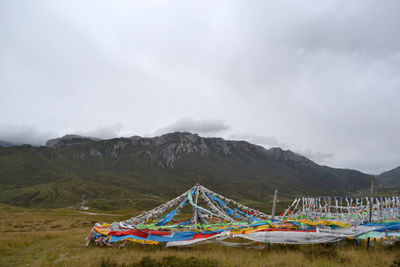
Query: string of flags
[217, 219]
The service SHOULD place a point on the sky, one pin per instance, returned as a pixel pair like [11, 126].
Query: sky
[321, 78]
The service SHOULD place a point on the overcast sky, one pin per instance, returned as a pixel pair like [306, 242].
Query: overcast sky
[321, 78]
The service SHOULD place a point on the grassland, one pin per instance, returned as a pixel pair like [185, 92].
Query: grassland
[54, 237]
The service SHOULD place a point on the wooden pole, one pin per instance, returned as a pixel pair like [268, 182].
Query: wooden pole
[195, 215]
[274, 204]
[371, 197]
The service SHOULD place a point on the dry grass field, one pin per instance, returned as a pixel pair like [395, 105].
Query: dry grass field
[54, 238]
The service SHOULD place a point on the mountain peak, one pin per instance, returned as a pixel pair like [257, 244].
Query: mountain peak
[69, 139]
[181, 136]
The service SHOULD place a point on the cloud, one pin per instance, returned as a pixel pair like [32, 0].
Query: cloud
[32, 134]
[320, 75]
[316, 156]
[205, 127]
[266, 141]
[105, 132]
[272, 141]
[23, 134]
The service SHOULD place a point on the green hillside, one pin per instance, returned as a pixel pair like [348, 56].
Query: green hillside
[145, 171]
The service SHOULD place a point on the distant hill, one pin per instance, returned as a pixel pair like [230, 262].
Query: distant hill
[6, 144]
[60, 173]
[390, 178]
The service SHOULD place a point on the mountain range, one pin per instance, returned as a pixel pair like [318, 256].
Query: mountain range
[144, 170]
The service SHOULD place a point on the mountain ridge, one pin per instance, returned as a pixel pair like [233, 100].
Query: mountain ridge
[68, 167]
[390, 177]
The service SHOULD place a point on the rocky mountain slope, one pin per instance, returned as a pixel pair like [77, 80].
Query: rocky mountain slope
[120, 168]
[390, 178]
